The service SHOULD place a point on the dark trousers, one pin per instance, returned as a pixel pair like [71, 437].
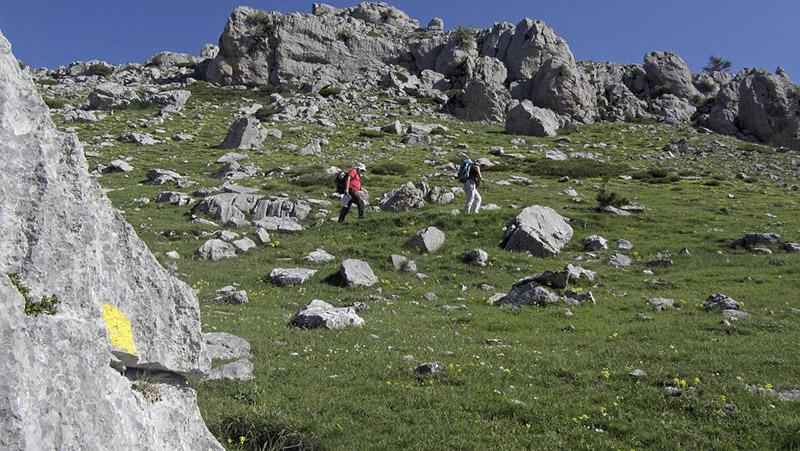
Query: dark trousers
[355, 198]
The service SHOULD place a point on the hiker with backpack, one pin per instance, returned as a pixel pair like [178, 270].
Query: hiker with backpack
[470, 173]
[349, 184]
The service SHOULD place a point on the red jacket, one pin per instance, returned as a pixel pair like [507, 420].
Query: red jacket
[355, 180]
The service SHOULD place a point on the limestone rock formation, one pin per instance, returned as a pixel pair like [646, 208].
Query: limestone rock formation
[321, 314]
[769, 108]
[245, 133]
[118, 307]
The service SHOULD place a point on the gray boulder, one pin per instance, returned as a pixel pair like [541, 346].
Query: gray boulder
[662, 304]
[162, 176]
[594, 243]
[620, 260]
[171, 101]
[118, 166]
[429, 239]
[406, 198]
[290, 276]
[672, 109]
[527, 119]
[117, 305]
[240, 370]
[357, 273]
[215, 249]
[224, 346]
[174, 198]
[484, 98]
[561, 279]
[319, 257]
[526, 293]
[477, 257]
[720, 302]
[667, 73]
[538, 230]
[111, 96]
[230, 295]
[321, 314]
[245, 133]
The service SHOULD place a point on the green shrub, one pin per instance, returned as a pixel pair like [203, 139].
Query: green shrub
[401, 76]
[657, 175]
[754, 147]
[607, 198]
[46, 82]
[344, 35]
[54, 104]
[576, 168]
[330, 91]
[465, 38]
[371, 133]
[101, 70]
[390, 168]
[450, 93]
[140, 105]
[564, 71]
[46, 305]
[261, 431]
[462, 66]
[264, 114]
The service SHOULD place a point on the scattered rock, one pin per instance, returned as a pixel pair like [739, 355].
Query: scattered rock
[216, 250]
[594, 243]
[662, 304]
[428, 240]
[321, 314]
[477, 257]
[319, 257]
[720, 302]
[430, 368]
[290, 276]
[620, 260]
[224, 346]
[357, 273]
[240, 370]
[538, 230]
[230, 295]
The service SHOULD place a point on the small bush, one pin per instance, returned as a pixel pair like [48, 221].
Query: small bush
[101, 70]
[462, 66]
[465, 38]
[150, 391]
[564, 71]
[371, 133]
[450, 93]
[607, 198]
[330, 91]
[390, 168]
[375, 33]
[344, 35]
[46, 82]
[576, 168]
[140, 105]
[657, 175]
[54, 104]
[754, 147]
[261, 432]
[401, 76]
[264, 114]
[46, 305]
[713, 183]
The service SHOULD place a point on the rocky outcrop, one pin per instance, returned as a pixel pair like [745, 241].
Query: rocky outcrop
[260, 48]
[485, 97]
[245, 133]
[117, 306]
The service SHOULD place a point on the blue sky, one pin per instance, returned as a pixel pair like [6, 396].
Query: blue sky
[750, 33]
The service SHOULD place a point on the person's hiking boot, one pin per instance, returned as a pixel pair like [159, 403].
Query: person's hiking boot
[342, 214]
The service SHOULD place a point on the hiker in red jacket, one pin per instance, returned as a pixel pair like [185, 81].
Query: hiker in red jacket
[353, 184]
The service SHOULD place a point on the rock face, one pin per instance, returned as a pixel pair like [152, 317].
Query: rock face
[260, 48]
[117, 305]
[538, 230]
[480, 75]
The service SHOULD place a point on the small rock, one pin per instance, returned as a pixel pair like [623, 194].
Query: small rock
[430, 368]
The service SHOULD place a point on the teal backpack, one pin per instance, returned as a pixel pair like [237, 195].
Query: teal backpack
[464, 169]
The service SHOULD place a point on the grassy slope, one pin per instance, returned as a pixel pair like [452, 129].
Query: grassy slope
[516, 379]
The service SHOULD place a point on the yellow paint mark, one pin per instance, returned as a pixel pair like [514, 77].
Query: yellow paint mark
[119, 328]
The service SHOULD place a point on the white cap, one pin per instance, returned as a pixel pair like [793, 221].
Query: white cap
[361, 167]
